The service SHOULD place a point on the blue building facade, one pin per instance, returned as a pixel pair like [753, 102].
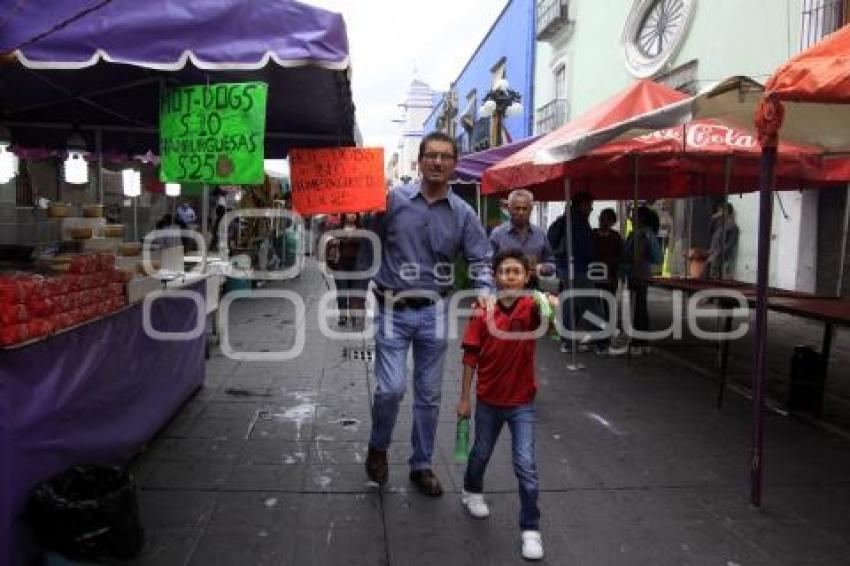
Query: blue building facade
[507, 51]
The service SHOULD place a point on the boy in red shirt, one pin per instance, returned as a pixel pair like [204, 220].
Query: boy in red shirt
[505, 391]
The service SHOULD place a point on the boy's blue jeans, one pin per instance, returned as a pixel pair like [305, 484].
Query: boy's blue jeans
[425, 331]
[488, 424]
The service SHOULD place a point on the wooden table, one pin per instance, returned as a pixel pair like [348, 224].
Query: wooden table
[829, 310]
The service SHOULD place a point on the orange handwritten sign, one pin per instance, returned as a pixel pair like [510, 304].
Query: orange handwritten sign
[339, 179]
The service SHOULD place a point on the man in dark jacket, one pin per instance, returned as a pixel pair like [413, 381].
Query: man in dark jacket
[582, 255]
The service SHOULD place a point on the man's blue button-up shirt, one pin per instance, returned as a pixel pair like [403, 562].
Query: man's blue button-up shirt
[420, 242]
[534, 244]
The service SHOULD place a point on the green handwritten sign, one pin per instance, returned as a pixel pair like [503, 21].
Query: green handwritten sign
[213, 133]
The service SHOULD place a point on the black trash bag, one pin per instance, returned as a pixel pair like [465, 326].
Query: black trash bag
[87, 513]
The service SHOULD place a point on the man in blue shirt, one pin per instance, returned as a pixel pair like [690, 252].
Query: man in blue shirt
[519, 233]
[425, 228]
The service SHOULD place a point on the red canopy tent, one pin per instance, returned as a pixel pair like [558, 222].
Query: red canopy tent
[815, 86]
[547, 181]
[707, 156]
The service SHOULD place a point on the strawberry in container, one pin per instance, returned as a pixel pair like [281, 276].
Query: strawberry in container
[77, 299]
[73, 281]
[13, 334]
[39, 287]
[89, 311]
[16, 287]
[55, 286]
[106, 261]
[40, 307]
[10, 291]
[62, 303]
[103, 278]
[13, 313]
[116, 289]
[39, 327]
[75, 315]
[78, 264]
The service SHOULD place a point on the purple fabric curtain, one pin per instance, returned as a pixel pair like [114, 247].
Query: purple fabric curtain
[91, 395]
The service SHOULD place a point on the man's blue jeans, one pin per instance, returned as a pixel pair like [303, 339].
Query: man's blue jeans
[425, 330]
[488, 424]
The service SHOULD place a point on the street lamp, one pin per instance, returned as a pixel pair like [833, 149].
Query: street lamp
[501, 101]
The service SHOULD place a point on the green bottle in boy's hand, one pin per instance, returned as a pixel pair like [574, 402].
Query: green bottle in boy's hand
[462, 440]
[547, 311]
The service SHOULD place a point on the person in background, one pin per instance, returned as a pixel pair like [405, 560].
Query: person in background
[641, 252]
[186, 214]
[582, 256]
[342, 256]
[424, 230]
[505, 391]
[167, 223]
[220, 197]
[607, 247]
[720, 260]
[521, 234]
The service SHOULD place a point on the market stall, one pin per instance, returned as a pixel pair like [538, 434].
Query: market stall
[98, 387]
[613, 162]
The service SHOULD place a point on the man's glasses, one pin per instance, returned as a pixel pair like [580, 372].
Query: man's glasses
[435, 156]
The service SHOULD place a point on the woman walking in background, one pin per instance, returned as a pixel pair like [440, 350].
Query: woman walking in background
[342, 254]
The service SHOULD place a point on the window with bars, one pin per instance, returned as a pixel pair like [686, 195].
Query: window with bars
[820, 18]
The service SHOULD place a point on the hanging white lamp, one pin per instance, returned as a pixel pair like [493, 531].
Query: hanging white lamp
[131, 181]
[76, 168]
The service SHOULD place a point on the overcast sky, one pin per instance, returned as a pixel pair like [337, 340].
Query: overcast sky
[389, 38]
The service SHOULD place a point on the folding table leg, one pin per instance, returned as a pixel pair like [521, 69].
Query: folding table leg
[724, 358]
[826, 347]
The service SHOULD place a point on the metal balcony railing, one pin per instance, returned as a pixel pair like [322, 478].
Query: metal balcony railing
[820, 18]
[552, 115]
[552, 15]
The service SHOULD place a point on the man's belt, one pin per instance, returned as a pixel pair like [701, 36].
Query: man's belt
[410, 301]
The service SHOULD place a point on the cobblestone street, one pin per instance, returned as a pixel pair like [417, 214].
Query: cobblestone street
[264, 465]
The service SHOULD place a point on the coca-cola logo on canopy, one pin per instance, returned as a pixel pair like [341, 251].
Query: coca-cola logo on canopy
[704, 135]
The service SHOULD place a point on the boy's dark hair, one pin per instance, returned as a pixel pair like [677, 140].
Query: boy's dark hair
[727, 206]
[438, 137]
[511, 253]
[608, 213]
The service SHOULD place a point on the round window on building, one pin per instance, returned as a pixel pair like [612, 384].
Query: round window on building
[654, 32]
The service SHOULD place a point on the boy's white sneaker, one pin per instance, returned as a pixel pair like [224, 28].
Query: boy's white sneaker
[475, 504]
[532, 545]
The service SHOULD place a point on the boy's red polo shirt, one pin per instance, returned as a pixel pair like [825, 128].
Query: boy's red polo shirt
[505, 366]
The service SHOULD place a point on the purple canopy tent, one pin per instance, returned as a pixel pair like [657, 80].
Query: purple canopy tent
[97, 67]
[102, 71]
[470, 167]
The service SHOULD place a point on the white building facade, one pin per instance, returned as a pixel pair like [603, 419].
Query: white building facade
[588, 50]
[403, 164]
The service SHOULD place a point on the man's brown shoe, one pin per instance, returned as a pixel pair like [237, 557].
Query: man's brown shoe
[427, 482]
[376, 465]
